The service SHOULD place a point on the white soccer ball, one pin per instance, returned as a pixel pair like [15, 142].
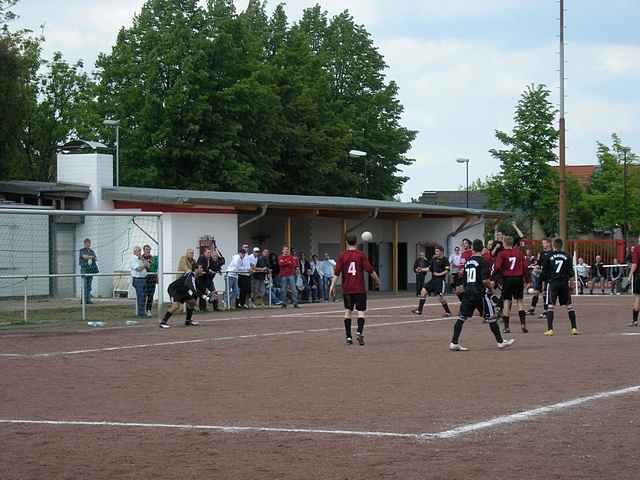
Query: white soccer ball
[366, 236]
[531, 291]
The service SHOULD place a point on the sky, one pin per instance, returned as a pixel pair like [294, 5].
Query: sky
[461, 66]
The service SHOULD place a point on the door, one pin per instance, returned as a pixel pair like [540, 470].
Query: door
[64, 260]
[402, 266]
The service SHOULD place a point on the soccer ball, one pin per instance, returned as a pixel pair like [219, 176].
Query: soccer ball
[367, 236]
[531, 291]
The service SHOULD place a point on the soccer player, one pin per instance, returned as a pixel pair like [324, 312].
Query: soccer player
[538, 286]
[438, 284]
[558, 271]
[511, 266]
[183, 291]
[351, 265]
[598, 274]
[635, 278]
[467, 253]
[476, 280]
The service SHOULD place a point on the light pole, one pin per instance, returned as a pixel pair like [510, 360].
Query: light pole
[361, 154]
[115, 124]
[466, 161]
[624, 200]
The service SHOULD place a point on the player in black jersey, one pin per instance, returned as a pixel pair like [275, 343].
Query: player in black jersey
[477, 291]
[558, 271]
[538, 284]
[439, 268]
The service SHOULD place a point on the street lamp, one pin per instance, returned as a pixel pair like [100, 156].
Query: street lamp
[624, 200]
[115, 124]
[361, 154]
[465, 160]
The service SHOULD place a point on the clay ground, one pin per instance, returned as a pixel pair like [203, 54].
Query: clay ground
[175, 400]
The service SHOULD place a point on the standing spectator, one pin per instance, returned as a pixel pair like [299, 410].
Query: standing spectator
[314, 278]
[259, 278]
[88, 265]
[186, 262]
[244, 280]
[235, 267]
[598, 274]
[275, 269]
[326, 275]
[305, 268]
[615, 277]
[420, 267]
[454, 261]
[288, 265]
[204, 278]
[138, 269]
[151, 279]
[582, 271]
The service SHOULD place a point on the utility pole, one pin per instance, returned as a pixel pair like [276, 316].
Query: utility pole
[563, 166]
[624, 202]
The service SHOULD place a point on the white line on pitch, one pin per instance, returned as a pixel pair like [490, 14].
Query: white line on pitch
[525, 415]
[447, 434]
[211, 339]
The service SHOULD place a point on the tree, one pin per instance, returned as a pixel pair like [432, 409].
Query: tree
[605, 195]
[525, 176]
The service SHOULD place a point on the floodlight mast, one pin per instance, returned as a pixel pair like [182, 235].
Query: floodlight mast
[563, 165]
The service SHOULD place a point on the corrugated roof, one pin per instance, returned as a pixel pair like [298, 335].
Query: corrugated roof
[162, 196]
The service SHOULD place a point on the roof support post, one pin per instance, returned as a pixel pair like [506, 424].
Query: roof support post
[395, 270]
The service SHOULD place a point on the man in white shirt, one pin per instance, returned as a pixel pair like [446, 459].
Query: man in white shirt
[234, 268]
[326, 268]
[138, 269]
[455, 259]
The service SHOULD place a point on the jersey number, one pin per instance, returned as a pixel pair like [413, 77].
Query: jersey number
[471, 275]
[512, 260]
[559, 264]
[352, 269]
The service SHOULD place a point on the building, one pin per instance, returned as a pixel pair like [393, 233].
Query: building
[191, 218]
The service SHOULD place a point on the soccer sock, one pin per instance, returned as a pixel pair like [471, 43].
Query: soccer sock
[347, 327]
[550, 319]
[166, 317]
[495, 329]
[572, 318]
[189, 314]
[360, 326]
[421, 304]
[506, 321]
[445, 305]
[523, 317]
[457, 330]
[534, 300]
[459, 295]
[635, 316]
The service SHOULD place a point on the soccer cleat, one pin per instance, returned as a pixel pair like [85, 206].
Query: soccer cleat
[507, 330]
[542, 315]
[633, 324]
[349, 341]
[447, 315]
[531, 311]
[549, 333]
[416, 312]
[524, 329]
[360, 339]
[574, 332]
[506, 344]
[456, 347]
[165, 325]
[191, 323]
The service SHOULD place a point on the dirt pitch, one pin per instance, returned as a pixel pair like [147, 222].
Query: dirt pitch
[278, 395]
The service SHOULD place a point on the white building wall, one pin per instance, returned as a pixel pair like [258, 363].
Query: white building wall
[93, 169]
[24, 249]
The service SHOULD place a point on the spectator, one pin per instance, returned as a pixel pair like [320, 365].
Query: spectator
[326, 269]
[582, 271]
[244, 280]
[259, 278]
[235, 267]
[204, 278]
[420, 267]
[138, 269]
[88, 265]
[275, 270]
[186, 262]
[454, 261]
[151, 279]
[598, 274]
[305, 268]
[288, 265]
[314, 278]
[615, 277]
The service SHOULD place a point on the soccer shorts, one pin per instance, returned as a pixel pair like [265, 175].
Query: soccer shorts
[512, 288]
[636, 283]
[473, 302]
[559, 292]
[437, 286]
[357, 301]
